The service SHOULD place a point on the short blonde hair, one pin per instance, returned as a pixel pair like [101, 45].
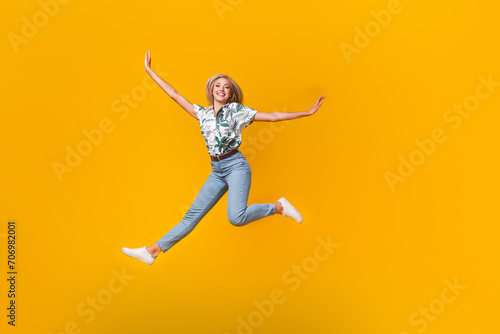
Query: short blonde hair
[236, 93]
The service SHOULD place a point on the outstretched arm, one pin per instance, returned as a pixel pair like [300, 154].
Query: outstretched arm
[283, 115]
[171, 92]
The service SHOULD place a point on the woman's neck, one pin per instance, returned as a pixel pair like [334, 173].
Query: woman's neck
[217, 106]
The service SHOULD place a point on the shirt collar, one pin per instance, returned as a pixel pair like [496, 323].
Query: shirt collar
[223, 108]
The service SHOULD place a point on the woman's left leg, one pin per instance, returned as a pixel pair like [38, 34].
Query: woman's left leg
[239, 181]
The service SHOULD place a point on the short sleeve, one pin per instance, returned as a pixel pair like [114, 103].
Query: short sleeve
[242, 115]
[199, 111]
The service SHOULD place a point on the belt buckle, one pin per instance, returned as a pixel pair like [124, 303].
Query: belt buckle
[218, 157]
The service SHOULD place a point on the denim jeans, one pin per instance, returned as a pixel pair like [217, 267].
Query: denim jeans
[230, 175]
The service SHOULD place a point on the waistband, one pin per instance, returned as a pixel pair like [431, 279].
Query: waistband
[224, 155]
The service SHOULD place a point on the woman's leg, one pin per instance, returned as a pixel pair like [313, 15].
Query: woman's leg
[213, 189]
[239, 181]
[155, 249]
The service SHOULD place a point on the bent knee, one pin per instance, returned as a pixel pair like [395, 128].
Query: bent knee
[237, 220]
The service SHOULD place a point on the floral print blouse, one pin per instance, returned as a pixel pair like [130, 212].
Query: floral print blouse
[222, 133]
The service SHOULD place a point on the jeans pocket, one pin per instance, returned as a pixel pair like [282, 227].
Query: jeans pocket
[243, 161]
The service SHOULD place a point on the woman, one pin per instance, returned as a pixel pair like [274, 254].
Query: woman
[221, 127]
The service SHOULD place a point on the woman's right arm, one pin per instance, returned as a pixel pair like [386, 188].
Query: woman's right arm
[174, 95]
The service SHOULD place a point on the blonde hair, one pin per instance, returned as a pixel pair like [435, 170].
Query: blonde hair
[236, 93]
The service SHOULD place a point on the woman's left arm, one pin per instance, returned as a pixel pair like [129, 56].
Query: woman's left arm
[283, 115]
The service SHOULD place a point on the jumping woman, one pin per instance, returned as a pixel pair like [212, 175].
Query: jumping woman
[221, 125]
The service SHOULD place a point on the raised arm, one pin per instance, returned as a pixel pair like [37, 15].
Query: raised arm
[171, 92]
[283, 115]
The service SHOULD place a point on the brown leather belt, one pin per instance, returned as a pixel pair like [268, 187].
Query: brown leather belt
[224, 156]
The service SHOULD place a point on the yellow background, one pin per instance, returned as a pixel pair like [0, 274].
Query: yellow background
[397, 249]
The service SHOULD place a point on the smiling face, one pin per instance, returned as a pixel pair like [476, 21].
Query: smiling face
[222, 90]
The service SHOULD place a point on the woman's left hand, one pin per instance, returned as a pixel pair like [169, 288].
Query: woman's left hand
[316, 106]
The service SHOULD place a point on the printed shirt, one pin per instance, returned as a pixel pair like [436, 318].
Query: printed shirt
[222, 133]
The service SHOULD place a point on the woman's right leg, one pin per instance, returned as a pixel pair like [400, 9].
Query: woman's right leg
[211, 192]
[154, 249]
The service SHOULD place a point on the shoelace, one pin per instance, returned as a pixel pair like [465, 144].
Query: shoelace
[286, 215]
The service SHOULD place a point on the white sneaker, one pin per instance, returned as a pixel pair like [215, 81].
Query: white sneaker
[289, 211]
[140, 253]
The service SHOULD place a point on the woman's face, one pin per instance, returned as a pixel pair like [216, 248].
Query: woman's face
[222, 90]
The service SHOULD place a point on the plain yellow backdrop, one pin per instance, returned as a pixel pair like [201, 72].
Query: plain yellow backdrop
[397, 172]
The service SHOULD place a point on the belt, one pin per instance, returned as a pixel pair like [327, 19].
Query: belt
[224, 156]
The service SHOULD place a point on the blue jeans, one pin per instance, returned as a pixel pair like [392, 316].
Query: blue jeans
[233, 175]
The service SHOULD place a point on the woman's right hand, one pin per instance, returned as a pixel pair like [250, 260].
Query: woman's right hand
[147, 61]
[167, 88]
